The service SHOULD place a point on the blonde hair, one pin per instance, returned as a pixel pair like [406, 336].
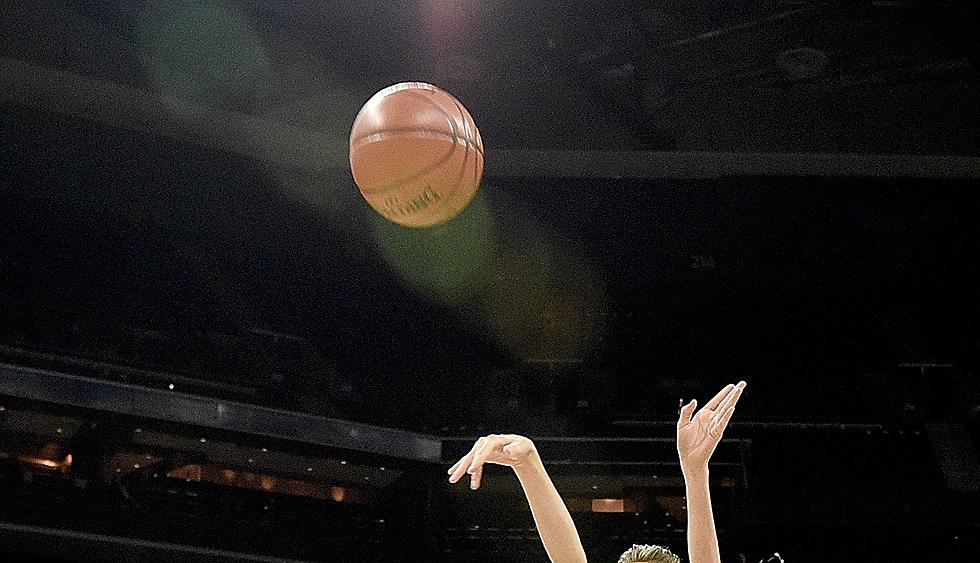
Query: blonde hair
[648, 554]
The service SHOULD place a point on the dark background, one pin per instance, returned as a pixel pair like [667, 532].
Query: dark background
[184, 248]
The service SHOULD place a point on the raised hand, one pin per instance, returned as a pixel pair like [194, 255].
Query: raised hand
[698, 436]
[551, 516]
[501, 449]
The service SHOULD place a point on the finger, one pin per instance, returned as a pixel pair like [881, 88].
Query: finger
[721, 423]
[455, 466]
[464, 463]
[716, 400]
[489, 446]
[686, 411]
[460, 468]
[460, 462]
[476, 477]
[732, 398]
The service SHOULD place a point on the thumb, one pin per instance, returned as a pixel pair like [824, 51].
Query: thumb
[686, 411]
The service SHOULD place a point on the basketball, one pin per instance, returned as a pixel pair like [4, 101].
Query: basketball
[416, 154]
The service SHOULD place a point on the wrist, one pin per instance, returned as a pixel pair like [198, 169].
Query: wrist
[529, 465]
[695, 473]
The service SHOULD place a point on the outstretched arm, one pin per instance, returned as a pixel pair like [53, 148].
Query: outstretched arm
[555, 525]
[697, 438]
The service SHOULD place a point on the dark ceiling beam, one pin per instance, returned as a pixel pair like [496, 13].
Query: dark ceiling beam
[131, 374]
[610, 451]
[227, 416]
[727, 31]
[60, 544]
[694, 165]
[772, 426]
[46, 89]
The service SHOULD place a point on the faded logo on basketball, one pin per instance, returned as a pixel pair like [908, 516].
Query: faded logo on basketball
[392, 207]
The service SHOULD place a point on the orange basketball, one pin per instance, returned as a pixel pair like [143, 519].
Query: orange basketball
[416, 154]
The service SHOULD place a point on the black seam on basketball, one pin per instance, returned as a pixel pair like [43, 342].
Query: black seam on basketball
[467, 132]
[448, 198]
[451, 196]
[360, 139]
[459, 177]
[478, 170]
[449, 118]
[477, 148]
[462, 119]
[466, 153]
[384, 188]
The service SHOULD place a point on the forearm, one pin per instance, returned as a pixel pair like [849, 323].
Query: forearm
[702, 541]
[554, 523]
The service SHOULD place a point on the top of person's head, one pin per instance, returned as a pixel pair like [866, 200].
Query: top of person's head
[648, 554]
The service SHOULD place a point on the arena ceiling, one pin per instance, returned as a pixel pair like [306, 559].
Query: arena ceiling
[675, 191]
